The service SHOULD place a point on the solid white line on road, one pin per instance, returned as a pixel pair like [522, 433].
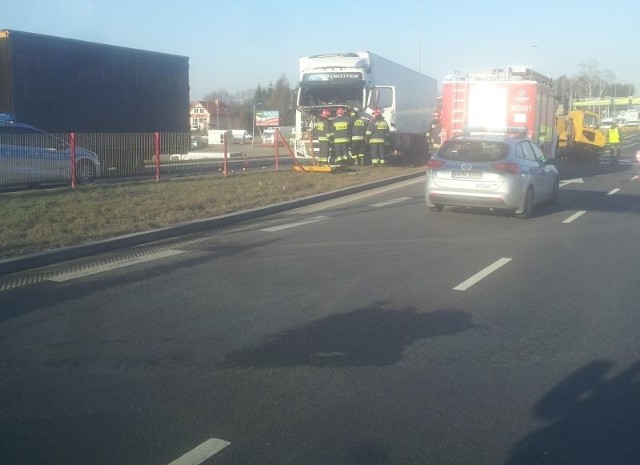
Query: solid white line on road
[613, 191]
[481, 274]
[575, 216]
[354, 197]
[204, 451]
[390, 202]
[295, 224]
[112, 266]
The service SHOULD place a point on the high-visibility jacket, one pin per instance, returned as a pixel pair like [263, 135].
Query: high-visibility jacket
[359, 128]
[323, 130]
[378, 130]
[341, 130]
[614, 135]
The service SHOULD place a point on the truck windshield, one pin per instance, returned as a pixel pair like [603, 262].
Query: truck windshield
[317, 94]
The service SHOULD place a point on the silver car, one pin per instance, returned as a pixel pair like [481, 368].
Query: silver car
[30, 156]
[491, 170]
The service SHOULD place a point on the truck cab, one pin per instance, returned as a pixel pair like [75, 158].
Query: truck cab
[362, 81]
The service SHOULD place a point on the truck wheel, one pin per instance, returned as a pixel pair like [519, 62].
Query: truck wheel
[436, 208]
[527, 209]
[85, 172]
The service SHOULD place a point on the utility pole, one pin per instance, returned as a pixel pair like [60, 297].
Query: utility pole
[420, 32]
[253, 126]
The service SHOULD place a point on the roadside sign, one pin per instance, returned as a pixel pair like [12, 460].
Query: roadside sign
[268, 118]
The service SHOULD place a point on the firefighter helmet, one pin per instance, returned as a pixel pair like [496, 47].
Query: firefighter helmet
[325, 113]
[340, 112]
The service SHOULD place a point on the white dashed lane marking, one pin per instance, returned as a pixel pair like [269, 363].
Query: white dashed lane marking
[203, 452]
[574, 217]
[481, 274]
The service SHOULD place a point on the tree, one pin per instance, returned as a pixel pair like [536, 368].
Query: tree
[587, 82]
[564, 87]
[592, 82]
[281, 100]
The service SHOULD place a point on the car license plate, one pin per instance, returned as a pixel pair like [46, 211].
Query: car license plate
[466, 174]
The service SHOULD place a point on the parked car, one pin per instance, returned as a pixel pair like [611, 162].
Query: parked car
[29, 156]
[240, 136]
[504, 170]
[269, 136]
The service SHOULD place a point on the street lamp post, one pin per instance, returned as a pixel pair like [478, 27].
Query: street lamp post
[253, 126]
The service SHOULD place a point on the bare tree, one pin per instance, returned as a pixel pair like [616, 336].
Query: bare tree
[607, 79]
[587, 82]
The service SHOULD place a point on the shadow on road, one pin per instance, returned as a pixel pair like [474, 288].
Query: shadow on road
[594, 419]
[373, 336]
[569, 170]
[594, 201]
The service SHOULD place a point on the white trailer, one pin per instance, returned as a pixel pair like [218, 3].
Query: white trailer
[363, 81]
[629, 117]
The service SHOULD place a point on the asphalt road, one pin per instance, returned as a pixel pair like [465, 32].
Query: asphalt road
[362, 330]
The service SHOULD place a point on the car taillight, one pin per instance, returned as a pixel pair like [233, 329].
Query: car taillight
[509, 168]
[434, 164]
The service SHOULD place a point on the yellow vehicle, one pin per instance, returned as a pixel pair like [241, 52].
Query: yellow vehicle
[580, 137]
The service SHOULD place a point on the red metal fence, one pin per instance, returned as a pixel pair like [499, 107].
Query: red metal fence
[76, 158]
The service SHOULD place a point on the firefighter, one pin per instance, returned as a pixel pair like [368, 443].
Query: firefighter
[615, 137]
[433, 133]
[377, 134]
[322, 133]
[341, 131]
[358, 131]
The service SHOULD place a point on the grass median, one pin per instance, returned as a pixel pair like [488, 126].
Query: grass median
[37, 220]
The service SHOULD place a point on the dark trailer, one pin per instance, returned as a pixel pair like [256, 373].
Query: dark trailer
[65, 85]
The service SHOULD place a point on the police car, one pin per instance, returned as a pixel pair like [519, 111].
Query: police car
[500, 169]
[29, 155]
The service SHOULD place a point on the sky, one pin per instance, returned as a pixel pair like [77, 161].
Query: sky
[236, 45]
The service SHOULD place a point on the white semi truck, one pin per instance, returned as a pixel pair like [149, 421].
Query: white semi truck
[363, 81]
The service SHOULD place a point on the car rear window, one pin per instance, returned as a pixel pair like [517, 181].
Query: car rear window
[473, 150]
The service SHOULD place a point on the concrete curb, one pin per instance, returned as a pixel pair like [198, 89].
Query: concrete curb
[50, 257]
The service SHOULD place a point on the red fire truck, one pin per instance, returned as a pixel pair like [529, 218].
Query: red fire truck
[519, 97]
